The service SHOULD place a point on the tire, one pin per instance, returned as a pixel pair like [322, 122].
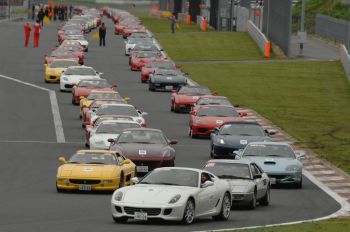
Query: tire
[59, 190]
[73, 101]
[143, 81]
[265, 201]
[252, 203]
[225, 209]
[189, 212]
[120, 220]
[150, 88]
[87, 145]
[121, 180]
[174, 107]
[299, 185]
[211, 151]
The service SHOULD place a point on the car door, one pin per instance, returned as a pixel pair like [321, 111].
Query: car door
[259, 182]
[206, 197]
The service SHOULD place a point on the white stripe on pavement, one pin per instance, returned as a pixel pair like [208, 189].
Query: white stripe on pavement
[54, 107]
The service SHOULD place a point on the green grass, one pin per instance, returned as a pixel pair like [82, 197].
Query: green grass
[210, 46]
[309, 100]
[338, 225]
[163, 25]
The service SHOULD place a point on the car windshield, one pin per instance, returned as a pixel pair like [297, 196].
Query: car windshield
[73, 32]
[101, 83]
[63, 63]
[139, 35]
[139, 40]
[242, 130]
[177, 177]
[218, 112]
[147, 55]
[60, 53]
[269, 150]
[228, 170]
[115, 128]
[78, 37]
[161, 65]
[80, 71]
[114, 95]
[145, 47]
[214, 101]
[70, 48]
[117, 110]
[194, 91]
[142, 136]
[167, 72]
[92, 158]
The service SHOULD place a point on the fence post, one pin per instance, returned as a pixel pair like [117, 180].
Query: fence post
[204, 24]
[188, 21]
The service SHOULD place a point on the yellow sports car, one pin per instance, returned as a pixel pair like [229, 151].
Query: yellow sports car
[85, 102]
[89, 170]
[53, 71]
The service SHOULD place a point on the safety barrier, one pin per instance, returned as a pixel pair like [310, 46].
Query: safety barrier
[345, 59]
[202, 22]
[263, 43]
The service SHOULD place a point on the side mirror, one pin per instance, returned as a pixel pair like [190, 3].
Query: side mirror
[215, 130]
[300, 154]
[192, 112]
[243, 114]
[62, 159]
[99, 73]
[127, 161]
[114, 86]
[144, 113]
[177, 66]
[174, 91]
[62, 72]
[45, 65]
[111, 140]
[81, 97]
[270, 132]
[172, 142]
[207, 184]
[126, 99]
[237, 154]
[214, 93]
[258, 176]
[135, 180]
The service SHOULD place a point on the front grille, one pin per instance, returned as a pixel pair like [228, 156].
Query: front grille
[52, 77]
[149, 211]
[202, 130]
[279, 177]
[167, 211]
[68, 86]
[79, 181]
[118, 209]
[237, 197]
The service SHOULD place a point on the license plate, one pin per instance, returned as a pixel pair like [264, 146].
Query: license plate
[84, 187]
[273, 180]
[140, 216]
[142, 168]
[169, 87]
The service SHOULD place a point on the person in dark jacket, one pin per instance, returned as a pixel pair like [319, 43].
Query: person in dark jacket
[41, 16]
[102, 34]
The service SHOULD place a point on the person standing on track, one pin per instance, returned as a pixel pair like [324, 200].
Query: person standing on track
[27, 30]
[41, 16]
[102, 34]
[37, 28]
[173, 21]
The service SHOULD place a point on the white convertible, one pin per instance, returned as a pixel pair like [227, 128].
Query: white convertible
[109, 129]
[72, 75]
[173, 193]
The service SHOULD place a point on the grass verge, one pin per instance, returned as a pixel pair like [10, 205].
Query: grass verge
[338, 224]
[309, 100]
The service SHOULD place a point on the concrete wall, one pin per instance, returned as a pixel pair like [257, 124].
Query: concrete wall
[334, 29]
[345, 59]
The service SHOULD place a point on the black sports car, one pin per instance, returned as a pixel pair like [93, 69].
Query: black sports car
[147, 148]
[232, 137]
[166, 79]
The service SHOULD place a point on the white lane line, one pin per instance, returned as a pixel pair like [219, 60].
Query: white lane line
[35, 141]
[54, 107]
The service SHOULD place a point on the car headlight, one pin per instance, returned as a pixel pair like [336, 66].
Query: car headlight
[107, 181]
[175, 199]
[221, 141]
[293, 168]
[65, 78]
[199, 121]
[65, 180]
[118, 196]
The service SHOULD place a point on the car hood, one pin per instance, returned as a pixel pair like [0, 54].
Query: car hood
[169, 79]
[242, 140]
[142, 150]
[104, 137]
[87, 171]
[54, 70]
[216, 121]
[154, 194]
[80, 77]
[240, 185]
[273, 164]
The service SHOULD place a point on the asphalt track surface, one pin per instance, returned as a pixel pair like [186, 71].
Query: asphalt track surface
[29, 151]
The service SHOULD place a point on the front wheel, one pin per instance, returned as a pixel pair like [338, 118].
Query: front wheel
[252, 203]
[266, 199]
[189, 212]
[225, 209]
[299, 184]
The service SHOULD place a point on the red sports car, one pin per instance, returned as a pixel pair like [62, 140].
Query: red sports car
[65, 28]
[209, 100]
[67, 33]
[206, 118]
[153, 66]
[186, 96]
[124, 24]
[84, 87]
[126, 32]
[60, 54]
[140, 59]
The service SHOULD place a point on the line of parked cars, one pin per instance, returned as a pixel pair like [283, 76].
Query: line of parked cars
[243, 164]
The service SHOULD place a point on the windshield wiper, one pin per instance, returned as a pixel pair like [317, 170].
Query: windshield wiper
[232, 177]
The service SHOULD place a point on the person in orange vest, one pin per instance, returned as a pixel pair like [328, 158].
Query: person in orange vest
[27, 30]
[37, 28]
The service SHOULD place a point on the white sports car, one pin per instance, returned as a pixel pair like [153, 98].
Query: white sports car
[81, 39]
[72, 75]
[119, 109]
[109, 129]
[173, 193]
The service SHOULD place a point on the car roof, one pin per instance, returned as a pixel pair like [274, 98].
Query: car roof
[230, 161]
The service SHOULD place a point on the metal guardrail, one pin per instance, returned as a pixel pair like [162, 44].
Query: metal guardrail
[345, 59]
[260, 39]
